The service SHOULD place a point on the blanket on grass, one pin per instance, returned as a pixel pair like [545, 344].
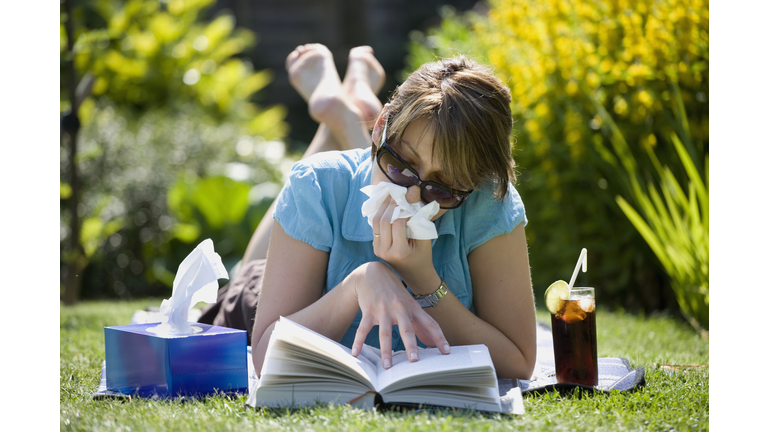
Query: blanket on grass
[614, 374]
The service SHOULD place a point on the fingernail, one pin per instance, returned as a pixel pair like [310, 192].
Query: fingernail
[414, 356]
[354, 352]
[446, 348]
[387, 363]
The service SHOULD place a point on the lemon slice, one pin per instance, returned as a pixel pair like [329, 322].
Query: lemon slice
[555, 294]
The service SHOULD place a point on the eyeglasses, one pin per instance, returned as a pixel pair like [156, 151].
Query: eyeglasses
[400, 173]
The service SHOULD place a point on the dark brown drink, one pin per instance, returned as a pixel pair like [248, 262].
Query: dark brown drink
[574, 339]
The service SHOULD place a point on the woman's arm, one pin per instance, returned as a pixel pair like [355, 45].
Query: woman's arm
[504, 304]
[293, 285]
[501, 283]
[503, 298]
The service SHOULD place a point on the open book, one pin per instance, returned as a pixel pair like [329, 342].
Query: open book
[302, 367]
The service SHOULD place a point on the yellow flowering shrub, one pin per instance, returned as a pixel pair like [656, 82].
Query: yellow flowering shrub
[627, 52]
[560, 59]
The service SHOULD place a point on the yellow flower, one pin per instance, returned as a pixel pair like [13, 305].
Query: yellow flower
[620, 106]
[645, 98]
[571, 88]
[542, 110]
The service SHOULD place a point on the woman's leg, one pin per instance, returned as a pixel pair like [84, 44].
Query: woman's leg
[342, 109]
[313, 74]
[257, 246]
[362, 82]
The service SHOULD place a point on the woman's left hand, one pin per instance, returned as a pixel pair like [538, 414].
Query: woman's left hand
[410, 258]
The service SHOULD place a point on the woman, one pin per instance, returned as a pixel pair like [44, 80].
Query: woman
[444, 135]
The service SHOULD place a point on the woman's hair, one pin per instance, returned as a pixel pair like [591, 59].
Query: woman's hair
[467, 107]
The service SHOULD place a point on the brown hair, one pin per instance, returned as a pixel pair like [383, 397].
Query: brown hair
[468, 109]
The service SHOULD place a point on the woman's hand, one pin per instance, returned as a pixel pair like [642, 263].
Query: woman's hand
[411, 259]
[385, 302]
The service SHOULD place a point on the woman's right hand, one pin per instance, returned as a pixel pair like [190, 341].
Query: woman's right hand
[385, 302]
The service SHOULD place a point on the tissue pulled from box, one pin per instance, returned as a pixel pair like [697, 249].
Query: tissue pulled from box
[195, 281]
[419, 225]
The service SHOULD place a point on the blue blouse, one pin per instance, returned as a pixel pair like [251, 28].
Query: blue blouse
[321, 206]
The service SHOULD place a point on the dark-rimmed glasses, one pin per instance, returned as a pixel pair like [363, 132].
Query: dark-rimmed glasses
[400, 173]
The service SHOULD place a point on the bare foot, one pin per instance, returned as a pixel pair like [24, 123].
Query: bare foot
[362, 81]
[313, 74]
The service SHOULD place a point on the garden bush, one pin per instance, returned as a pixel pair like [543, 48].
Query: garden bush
[171, 150]
[564, 61]
[167, 181]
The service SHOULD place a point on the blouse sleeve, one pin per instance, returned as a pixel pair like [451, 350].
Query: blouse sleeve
[491, 217]
[301, 211]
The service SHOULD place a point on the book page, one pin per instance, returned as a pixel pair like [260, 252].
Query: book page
[284, 368]
[372, 355]
[433, 363]
[307, 394]
[317, 347]
[458, 398]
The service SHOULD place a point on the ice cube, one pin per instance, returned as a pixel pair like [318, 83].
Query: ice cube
[587, 304]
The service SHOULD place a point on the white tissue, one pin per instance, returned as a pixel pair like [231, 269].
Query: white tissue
[195, 281]
[419, 226]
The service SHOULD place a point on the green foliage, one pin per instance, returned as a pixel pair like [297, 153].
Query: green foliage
[677, 229]
[217, 207]
[560, 56]
[154, 54]
[670, 401]
[171, 104]
[171, 179]
[454, 36]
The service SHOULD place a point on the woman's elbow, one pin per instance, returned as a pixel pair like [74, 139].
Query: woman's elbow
[521, 366]
[529, 363]
[259, 342]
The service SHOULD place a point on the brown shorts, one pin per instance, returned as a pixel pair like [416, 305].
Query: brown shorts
[236, 301]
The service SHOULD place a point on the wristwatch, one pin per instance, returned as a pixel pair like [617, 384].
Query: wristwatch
[430, 300]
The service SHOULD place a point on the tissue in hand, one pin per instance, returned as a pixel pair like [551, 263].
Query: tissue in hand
[419, 225]
[176, 358]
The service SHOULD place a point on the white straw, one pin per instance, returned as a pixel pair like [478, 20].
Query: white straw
[581, 263]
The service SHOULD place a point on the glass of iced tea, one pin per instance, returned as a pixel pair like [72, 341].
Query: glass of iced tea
[574, 336]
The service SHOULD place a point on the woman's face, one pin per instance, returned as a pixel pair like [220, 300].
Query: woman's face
[416, 149]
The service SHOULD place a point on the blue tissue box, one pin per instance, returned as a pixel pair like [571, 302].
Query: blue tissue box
[142, 363]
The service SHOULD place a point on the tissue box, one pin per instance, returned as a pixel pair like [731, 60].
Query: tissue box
[142, 363]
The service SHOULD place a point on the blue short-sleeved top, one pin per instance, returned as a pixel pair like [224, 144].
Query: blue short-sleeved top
[321, 203]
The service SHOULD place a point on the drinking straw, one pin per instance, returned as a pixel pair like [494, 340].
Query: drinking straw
[581, 263]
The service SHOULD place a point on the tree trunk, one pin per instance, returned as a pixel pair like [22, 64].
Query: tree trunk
[71, 126]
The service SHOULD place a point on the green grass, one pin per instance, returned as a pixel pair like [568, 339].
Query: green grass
[669, 401]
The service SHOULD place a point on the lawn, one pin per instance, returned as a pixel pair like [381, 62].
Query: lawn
[669, 401]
